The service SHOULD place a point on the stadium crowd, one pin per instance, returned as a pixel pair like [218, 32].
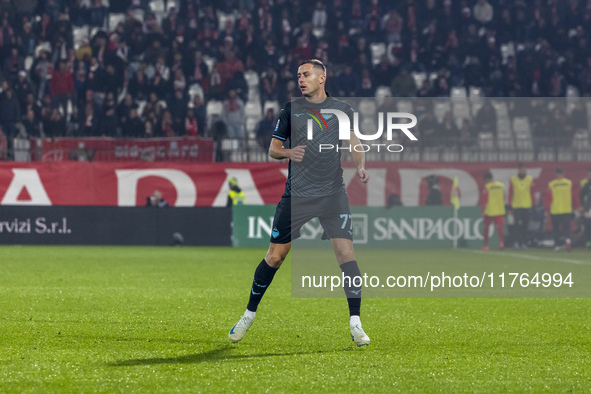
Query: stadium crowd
[153, 71]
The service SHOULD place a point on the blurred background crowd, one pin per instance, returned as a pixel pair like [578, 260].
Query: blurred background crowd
[222, 69]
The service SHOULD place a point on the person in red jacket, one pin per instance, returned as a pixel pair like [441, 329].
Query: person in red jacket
[62, 86]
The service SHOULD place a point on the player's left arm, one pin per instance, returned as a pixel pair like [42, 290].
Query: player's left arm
[358, 158]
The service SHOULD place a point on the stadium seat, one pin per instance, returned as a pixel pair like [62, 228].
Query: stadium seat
[367, 107]
[209, 62]
[252, 78]
[195, 90]
[223, 18]
[378, 49]
[253, 109]
[486, 141]
[381, 93]
[22, 149]
[214, 107]
[79, 34]
[251, 125]
[28, 62]
[405, 106]
[115, 19]
[475, 91]
[458, 92]
[432, 77]
[173, 3]
[419, 78]
[318, 32]
[521, 127]
[141, 104]
[505, 142]
[271, 104]
[572, 91]
[450, 154]
[441, 107]
[368, 126]
[506, 51]
[138, 14]
[157, 6]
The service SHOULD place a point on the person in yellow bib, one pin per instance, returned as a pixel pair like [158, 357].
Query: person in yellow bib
[235, 195]
[585, 199]
[521, 198]
[559, 204]
[493, 208]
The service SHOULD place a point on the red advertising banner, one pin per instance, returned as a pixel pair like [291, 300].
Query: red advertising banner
[116, 149]
[204, 184]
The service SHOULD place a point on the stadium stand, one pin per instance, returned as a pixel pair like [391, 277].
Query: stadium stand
[62, 59]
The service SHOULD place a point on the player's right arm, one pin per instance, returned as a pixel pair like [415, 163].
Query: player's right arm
[281, 134]
[278, 152]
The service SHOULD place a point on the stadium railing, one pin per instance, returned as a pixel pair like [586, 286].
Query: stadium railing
[478, 149]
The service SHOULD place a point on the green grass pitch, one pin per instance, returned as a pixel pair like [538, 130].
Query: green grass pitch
[115, 319]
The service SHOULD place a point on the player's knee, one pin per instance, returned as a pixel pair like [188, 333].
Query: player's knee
[274, 259]
[344, 256]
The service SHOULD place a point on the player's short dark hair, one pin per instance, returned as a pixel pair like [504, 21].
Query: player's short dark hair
[521, 165]
[559, 170]
[488, 175]
[316, 63]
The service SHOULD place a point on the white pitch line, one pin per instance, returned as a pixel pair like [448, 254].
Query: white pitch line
[523, 256]
[530, 257]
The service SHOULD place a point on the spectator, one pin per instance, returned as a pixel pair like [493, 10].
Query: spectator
[62, 85]
[22, 87]
[109, 121]
[467, 134]
[348, 83]
[91, 125]
[179, 82]
[191, 129]
[265, 129]
[200, 112]
[166, 125]
[198, 71]
[55, 126]
[156, 200]
[31, 125]
[367, 88]
[10, 114]
[319, 16]
[234, 116]
[135, 126]
[429, 130]
[178, 110]
[269, 85]
[13, 63]
[97, 13]
[449, 132]
[138, 86]
[486, 119]
[149, 131]
[404, 84]
[434, 197]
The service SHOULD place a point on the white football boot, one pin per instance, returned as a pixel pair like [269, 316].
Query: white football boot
[237, 332]
[358, 335]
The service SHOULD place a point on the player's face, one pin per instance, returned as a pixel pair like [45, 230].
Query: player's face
[522, 171]
[310, 80]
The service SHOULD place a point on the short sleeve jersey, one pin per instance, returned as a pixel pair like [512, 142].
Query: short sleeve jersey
[319, 173]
